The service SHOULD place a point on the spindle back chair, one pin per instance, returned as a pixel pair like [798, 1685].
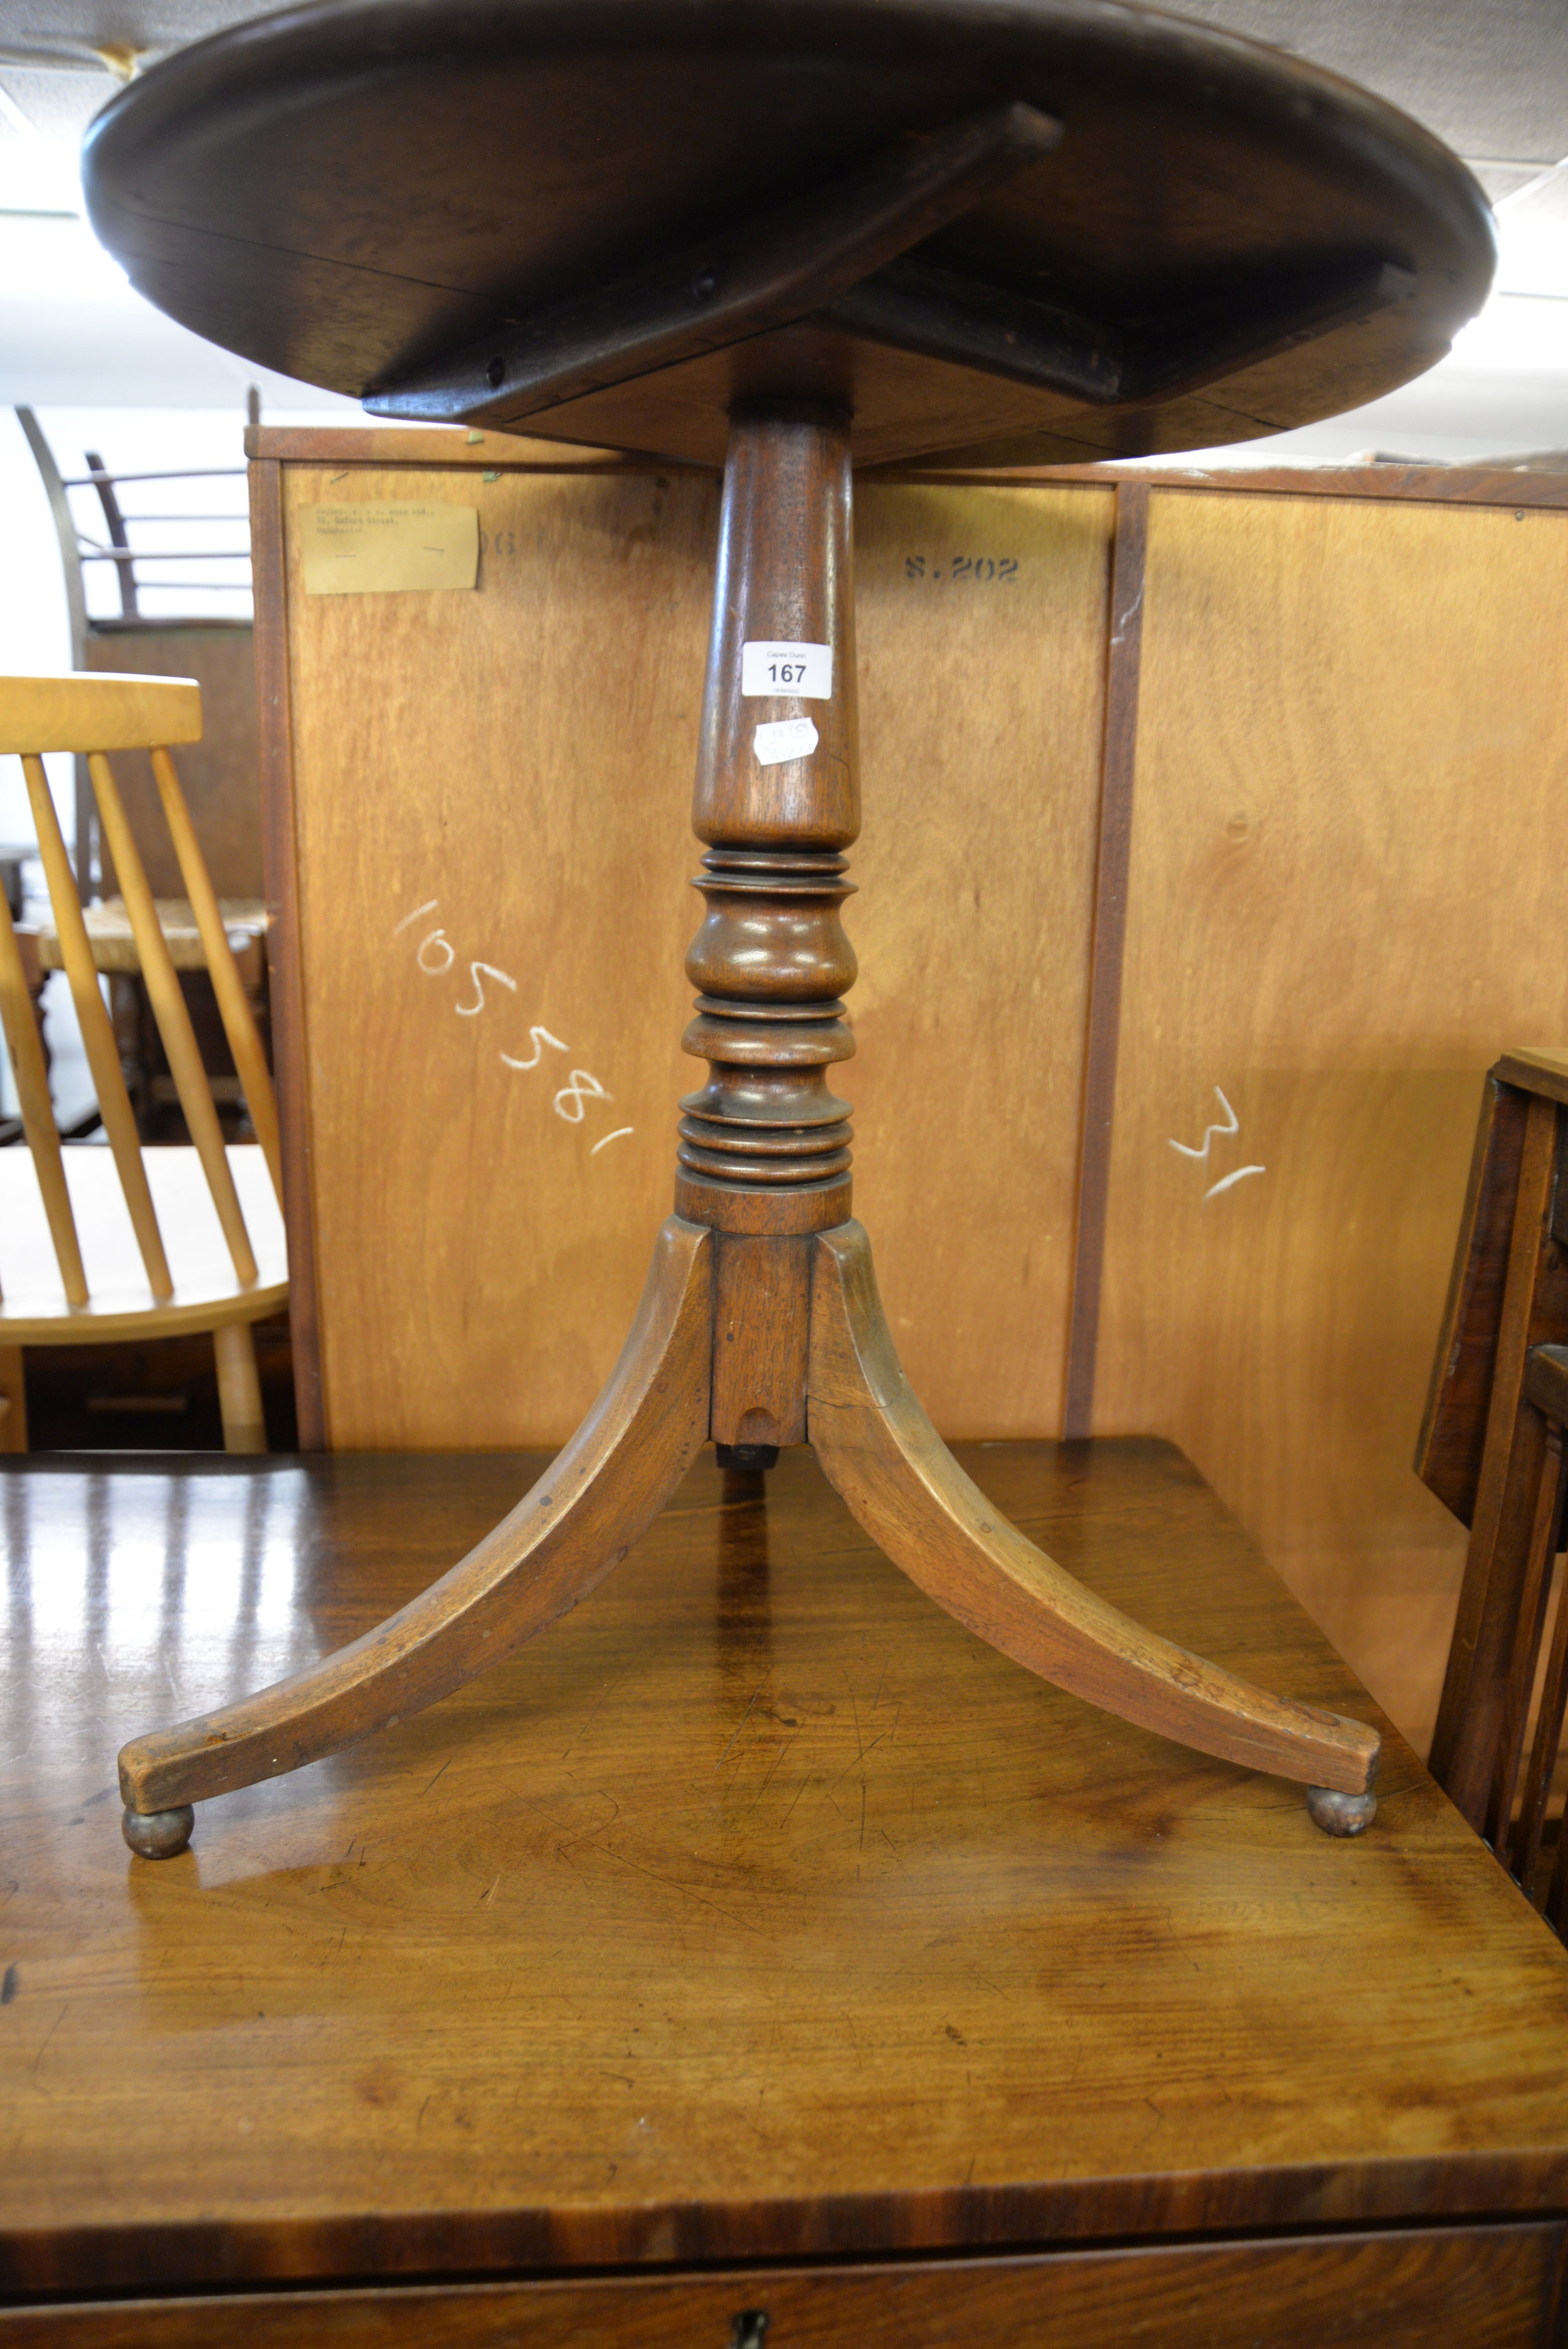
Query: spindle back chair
[101, 1244]
[1493, 1449]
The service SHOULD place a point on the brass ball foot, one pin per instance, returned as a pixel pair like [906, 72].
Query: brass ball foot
[159, 1835]
[1341, 1815]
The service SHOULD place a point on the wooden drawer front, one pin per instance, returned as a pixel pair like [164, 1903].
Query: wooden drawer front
[1487, 2287]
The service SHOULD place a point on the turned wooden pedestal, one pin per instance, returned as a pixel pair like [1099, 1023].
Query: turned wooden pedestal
[760, 1326]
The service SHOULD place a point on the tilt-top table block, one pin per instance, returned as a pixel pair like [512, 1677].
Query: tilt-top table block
[804, 235]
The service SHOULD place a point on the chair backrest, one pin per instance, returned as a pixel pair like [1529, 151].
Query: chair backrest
[1493, 1449]
[92, 716]
[165, 626]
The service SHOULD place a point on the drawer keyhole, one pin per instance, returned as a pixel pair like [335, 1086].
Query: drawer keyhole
[750, 2330]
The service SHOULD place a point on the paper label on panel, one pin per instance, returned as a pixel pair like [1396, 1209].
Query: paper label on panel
[787, 738]
[375, 549]
[772, 667]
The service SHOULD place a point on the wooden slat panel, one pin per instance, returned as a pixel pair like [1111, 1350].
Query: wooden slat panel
[426, 445]
[430, 445]
[518, 764]
[1350, 759]
[517, 761]
[1507, 486]
[1537, 1070]
[1453, 1426]
[1491, 2287]
[982, 712]
[1123, 668]
[275, 751]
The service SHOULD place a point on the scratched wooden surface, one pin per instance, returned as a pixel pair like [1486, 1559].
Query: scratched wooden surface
[518, 762]
[1350, 753]
[757, 1910]
[1492, 2287]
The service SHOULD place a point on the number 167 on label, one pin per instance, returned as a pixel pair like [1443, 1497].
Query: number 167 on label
[772, 668]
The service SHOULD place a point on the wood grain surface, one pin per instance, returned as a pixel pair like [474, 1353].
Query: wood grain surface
[1519, 487]
[1512, 486]
[518, 762]
[1492, 2287]
[1349, 744]
[96, 713]
[1475, 1686]
[1347, 754]
[566, 1535]
[280, 862]
[764, 1142]
[424, 445]
[759, 1912]
[1536, 1069]
[975, 868]
[113, 940]
[879, 1451]
[220, 775]
[1453, 1425]
[1107, 947]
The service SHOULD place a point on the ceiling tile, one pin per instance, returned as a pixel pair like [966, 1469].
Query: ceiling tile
[1491, 76]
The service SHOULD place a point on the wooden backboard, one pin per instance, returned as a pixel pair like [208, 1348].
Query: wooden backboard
[1252, 861]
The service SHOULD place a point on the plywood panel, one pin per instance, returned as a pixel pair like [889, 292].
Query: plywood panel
[981, 705]
[517, 761]
[1352, 749]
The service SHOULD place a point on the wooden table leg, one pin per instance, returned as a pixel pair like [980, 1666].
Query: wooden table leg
[761, 1324]
[562, 1539]
[879, 1449]
[13, 1400]
[765, 1154]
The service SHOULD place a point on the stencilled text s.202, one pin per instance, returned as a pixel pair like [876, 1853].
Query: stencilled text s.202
[975, 570]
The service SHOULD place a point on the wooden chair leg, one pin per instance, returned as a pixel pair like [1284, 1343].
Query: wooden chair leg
[877, 1446]
[1539, 1558]
[1526, 1852]
[1465, 1741]
[239, 1388]
[13, 1400]
[565, 1535]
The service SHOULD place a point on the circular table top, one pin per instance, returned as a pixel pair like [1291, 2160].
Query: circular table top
[1001, 231]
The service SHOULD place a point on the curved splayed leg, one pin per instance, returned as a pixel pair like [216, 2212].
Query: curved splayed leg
[881, 1452]
[563, 1537]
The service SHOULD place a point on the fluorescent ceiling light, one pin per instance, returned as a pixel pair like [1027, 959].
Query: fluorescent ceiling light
[1513, 333]
[57, 260]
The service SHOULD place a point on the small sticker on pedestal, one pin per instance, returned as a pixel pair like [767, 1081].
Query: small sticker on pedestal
[772, 668]
[787, 738]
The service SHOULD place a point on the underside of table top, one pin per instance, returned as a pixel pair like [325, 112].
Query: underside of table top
[1198, 239]
[756, 1910]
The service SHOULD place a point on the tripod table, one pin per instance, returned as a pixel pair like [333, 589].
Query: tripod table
[799, 237]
